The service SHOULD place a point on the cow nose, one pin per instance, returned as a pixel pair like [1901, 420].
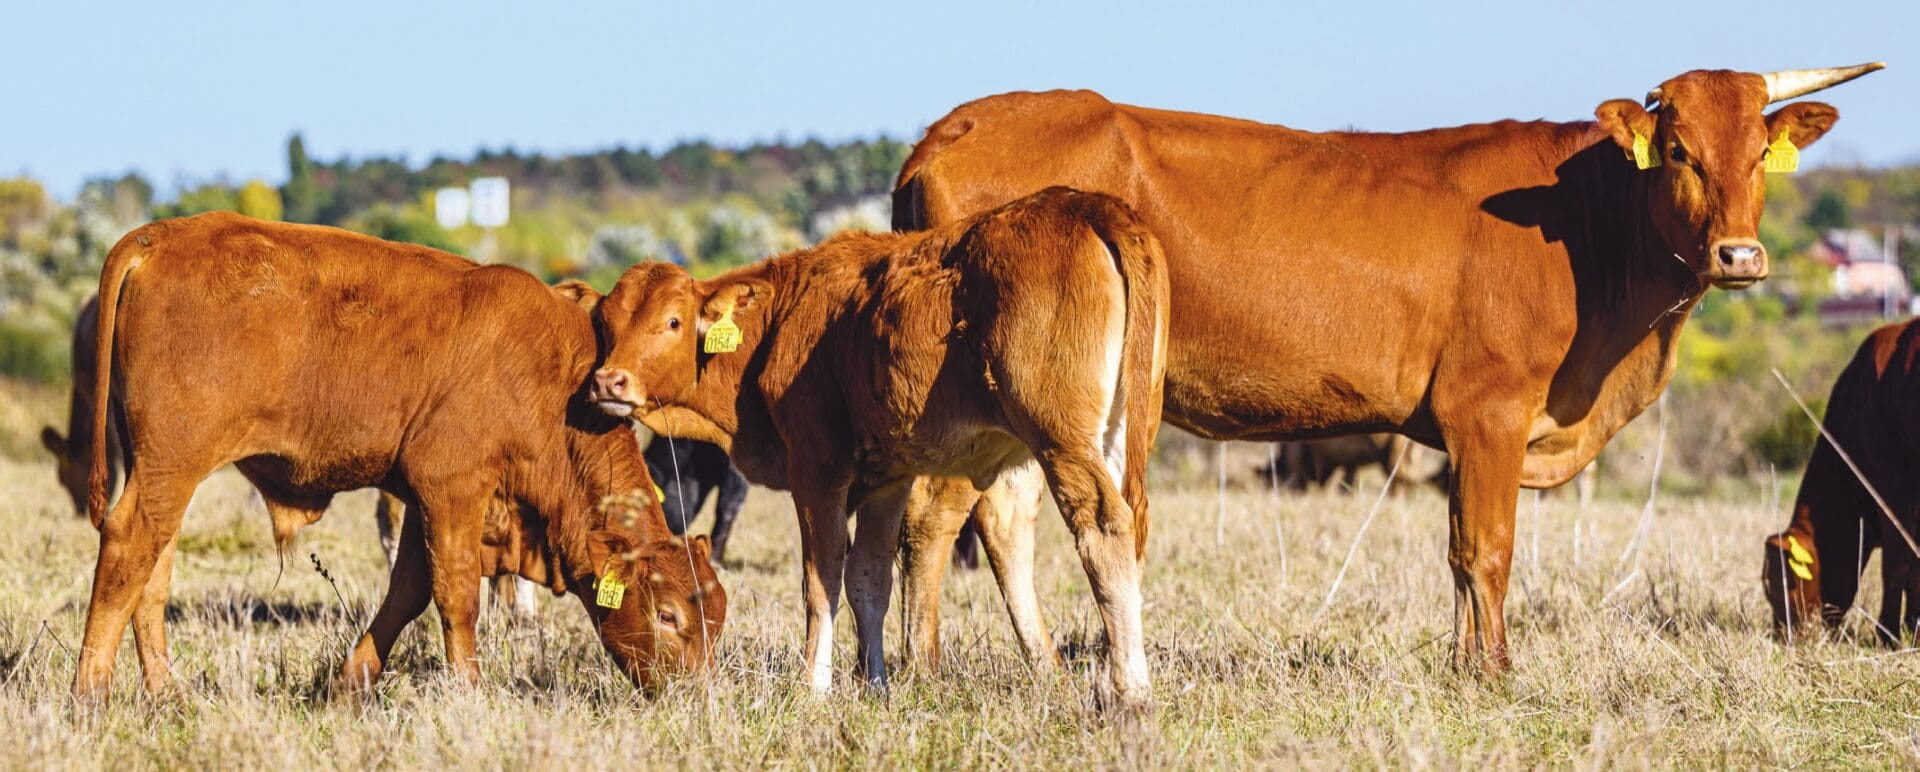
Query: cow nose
[1740, 259]
[611, 384]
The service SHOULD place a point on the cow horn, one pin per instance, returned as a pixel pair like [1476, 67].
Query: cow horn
[1787, 84]
[1655, 96]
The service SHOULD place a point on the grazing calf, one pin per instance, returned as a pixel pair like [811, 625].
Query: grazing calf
[73, 452]
[1029, 337]
[319, 361]
[687, 472]
[1813, 567]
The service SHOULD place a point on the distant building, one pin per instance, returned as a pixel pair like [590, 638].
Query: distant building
[1868, 280]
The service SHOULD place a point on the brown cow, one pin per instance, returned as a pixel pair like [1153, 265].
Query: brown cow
[73, 453]
[318, 361]
[1030, 336]
[1509, 292]
[1874, 416]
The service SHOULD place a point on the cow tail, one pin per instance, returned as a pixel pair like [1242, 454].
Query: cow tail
[1143, 349]
[121, 261]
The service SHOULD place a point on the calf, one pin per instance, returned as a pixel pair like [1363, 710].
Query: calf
[1028, 337]
[318, 361]
[1813, 567]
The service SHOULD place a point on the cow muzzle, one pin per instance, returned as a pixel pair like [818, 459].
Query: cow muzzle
[614, 391]
[1737, 263]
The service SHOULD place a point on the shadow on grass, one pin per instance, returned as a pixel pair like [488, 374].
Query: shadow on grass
[234, 612]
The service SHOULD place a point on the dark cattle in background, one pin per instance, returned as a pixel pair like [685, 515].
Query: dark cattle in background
[1813, 568]
[687, 471]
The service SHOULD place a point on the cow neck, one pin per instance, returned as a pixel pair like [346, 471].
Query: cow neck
[1632, 297]
[605, 459]
[710, 405]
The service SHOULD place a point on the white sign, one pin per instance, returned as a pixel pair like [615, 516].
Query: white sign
[489, 201]
[450, 206]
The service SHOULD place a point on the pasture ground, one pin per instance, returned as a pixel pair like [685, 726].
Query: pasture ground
[1654, 657]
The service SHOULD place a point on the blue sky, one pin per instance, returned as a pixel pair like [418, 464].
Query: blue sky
[187, 95]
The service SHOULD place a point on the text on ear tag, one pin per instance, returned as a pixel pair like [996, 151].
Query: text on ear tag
[1643, 154]
[723, 336]
[1782, 156]
[610, 590]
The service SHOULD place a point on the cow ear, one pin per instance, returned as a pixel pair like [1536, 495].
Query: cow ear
[1803, 122]
[580, 292]
[604, 548]
[56, 444]
[734, 295]
[702, 547]
[1622, 119]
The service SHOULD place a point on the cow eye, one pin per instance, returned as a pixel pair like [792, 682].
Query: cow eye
[674, 323]
[1678, 154]
[667, 618]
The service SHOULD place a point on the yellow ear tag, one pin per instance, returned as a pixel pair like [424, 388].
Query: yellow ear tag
[1800, 570]
[1799, 553]
[723, 336]
[1643, 153]
[659, 495]
[1782, 156]
[611, 591]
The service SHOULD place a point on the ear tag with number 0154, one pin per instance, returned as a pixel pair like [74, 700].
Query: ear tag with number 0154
[1782, 156]
[1643, 153]
[724, 335]
[611, 591]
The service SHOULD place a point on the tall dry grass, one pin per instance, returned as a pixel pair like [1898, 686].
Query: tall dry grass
[1659, 659]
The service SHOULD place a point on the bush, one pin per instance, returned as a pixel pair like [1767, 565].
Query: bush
[1787, 441]
[32, 353]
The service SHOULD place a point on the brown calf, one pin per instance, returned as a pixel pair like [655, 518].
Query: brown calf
[1028, 337]
[318, 361]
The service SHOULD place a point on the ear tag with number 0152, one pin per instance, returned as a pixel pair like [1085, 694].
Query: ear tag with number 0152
[724, 335]
[1782, 156]
[611, 591]
[1643, 153]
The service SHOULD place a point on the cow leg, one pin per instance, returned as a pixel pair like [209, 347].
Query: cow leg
[452, 526]
[1103, 534]
[132, 540]
[387, 513]
[733, 496]
[1897, 600]
[1486, 490]
[150, 623]
[869, 578]
[407, 596]
[1005, 516]
[935, 509]
[823, 554]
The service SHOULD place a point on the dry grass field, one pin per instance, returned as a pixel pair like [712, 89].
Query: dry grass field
[1655, 657]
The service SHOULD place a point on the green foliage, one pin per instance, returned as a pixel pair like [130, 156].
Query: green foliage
[409, 224]
[257, 199]
[32, 353]
[210, 197]
[303, 199]
[1830, 210]
[1787, 441]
